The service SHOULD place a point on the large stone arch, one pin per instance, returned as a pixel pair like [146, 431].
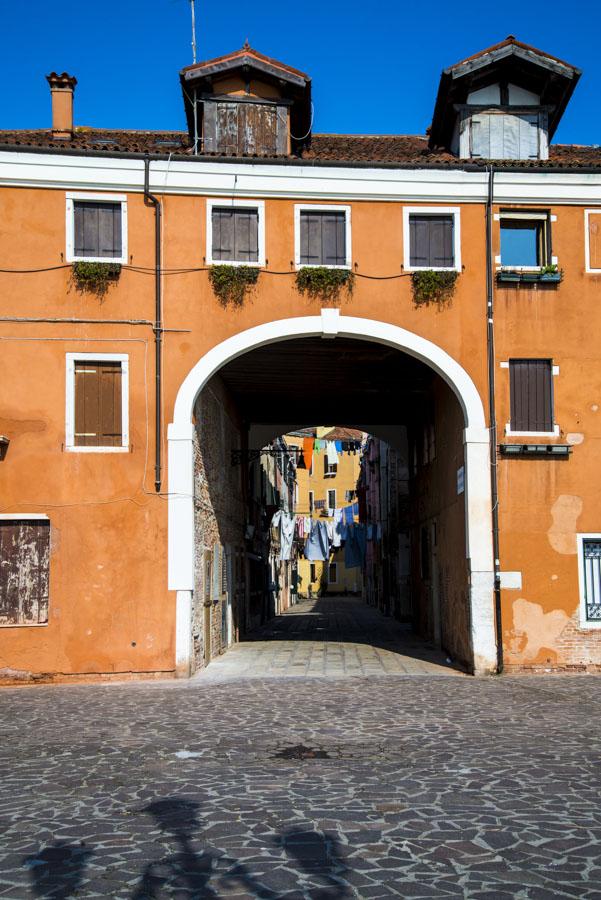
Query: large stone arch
[330, 324]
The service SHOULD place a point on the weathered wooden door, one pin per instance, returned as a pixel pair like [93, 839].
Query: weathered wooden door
[24, 565]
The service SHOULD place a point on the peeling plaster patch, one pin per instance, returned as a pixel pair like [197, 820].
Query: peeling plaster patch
[89, 631]
[562, 533]
[574, 437]
[554, 577]
[99, 566]
[539, 630]
[594, 407]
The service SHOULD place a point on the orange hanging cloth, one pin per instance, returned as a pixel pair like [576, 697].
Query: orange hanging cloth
[308, 452]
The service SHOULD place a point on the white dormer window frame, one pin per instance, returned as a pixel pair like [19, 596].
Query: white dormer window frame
[71, 198]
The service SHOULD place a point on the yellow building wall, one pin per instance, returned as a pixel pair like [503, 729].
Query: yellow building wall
[316, 480]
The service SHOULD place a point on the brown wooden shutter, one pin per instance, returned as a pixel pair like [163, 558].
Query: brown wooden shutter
[323, 238]
[431, 241]
[97, 229]
[98, 404]
[531, 394]
[594, 240]
[24, 571]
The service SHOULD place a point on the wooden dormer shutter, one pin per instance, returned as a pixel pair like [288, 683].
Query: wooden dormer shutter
[98, 404]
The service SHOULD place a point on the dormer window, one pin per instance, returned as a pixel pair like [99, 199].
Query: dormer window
[247, 104]
[502, 103]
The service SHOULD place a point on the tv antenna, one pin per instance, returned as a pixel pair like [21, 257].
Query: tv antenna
[193, 31]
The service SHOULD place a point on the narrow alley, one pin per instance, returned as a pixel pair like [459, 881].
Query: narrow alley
[330, 636]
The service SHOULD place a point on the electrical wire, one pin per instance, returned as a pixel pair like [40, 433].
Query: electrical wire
[143, 270]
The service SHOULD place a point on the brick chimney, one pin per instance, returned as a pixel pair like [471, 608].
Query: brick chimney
[61, 91]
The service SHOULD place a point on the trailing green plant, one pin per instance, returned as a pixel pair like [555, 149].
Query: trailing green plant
[430, 286]
[231, 283]
[94, 277]
[323, 282]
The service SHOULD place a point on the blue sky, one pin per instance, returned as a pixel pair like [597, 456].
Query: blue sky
[375, 66]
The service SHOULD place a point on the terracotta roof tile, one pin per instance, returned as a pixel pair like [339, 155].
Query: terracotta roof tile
[346, 149]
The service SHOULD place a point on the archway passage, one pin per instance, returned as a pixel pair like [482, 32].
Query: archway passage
[430, 422]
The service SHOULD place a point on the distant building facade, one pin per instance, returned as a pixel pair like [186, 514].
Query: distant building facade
[325, 489]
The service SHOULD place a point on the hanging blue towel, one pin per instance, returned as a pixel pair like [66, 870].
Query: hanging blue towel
[348, 515]
[338, 446]
[355, 509]
[317, 547]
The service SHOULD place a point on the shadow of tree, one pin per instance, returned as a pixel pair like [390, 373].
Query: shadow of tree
[318, 855]
[185, 871]
[56, 871]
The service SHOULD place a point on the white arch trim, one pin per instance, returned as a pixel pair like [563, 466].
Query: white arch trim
[329, 325]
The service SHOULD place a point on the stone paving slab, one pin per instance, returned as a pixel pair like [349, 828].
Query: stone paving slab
[304, 788]
[330, 636]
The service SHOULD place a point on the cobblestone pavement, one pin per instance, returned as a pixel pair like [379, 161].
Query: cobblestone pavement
[303, 788]
[330, 636]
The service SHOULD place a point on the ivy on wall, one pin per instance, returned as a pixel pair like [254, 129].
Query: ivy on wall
[94, 277]
[432, 287]
[324, 283]
[231, 283]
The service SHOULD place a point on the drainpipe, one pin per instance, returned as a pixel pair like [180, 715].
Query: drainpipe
[151, 200]
[490, 334]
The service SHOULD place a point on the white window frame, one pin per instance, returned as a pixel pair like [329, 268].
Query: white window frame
[326, 207]
[532, 215]
[556, 429]
[585, 623]
[259, 205]
[454, 211]
[70, 226]
[17, 517]
[71, 359]
[587, 247]
[336, 568]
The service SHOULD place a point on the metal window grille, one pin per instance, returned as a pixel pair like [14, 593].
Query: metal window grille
[592, 579]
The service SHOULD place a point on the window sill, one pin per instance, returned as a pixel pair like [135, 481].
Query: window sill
[510, 433]
[110, 260]
[31, 624]
[73, 449]
[528, 276]
[410, 269]
[300, 266]
[235, 262]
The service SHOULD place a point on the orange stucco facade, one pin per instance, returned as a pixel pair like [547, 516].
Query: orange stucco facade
[110, 610]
